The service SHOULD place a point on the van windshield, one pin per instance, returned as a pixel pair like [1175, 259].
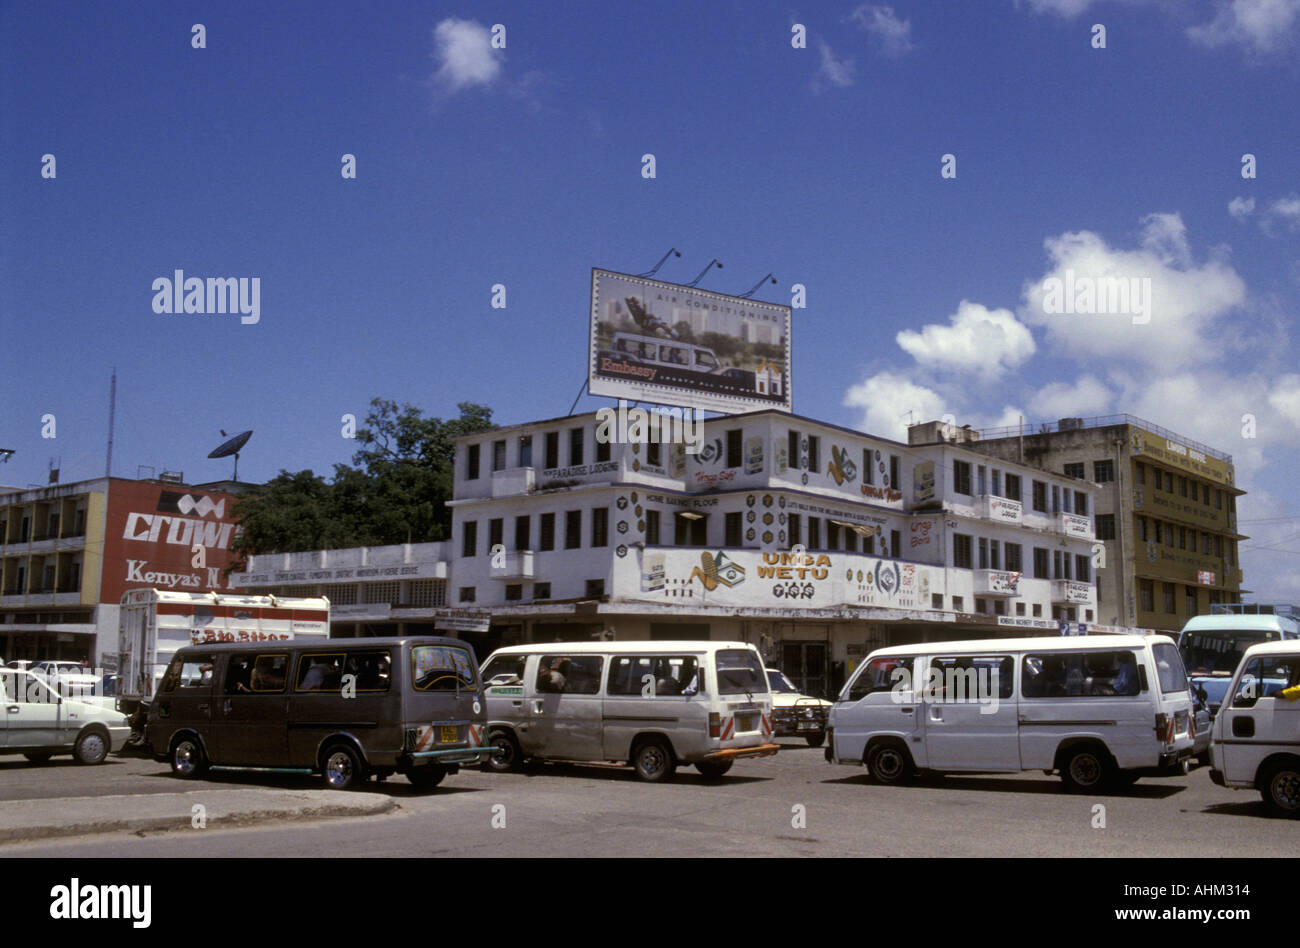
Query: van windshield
[740, 672]
[1219, 651]
[441, 668]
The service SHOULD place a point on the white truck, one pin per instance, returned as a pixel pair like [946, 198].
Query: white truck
[154, 623]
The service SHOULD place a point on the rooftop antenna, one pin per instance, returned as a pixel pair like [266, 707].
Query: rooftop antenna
[112, 415]
[231, 446]
[704, 271]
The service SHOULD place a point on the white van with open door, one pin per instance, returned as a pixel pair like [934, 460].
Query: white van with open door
[1101, 710]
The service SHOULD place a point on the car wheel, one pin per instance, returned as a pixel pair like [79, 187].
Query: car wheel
[1086, 770]
[713, 770]
[187, 758]
[508, 758]
[1280, 788]
[653, 761]
[91, 748]
[816, 739]
[41, 758]
[343, 768]
[426, 777]
[888, 764]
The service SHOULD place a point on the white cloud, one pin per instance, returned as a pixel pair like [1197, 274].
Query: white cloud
[1241, 208]
[885, 400]
[1286, 210]
[895, 35]
[464, 54]
[1284, 398]
[1064, 8]
[1087, 396]
[979, 340]
[836, 71]
[1187, 309]
[1260, 25]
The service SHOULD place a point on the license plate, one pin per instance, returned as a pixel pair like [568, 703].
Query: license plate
[746, 722]
[448, 735]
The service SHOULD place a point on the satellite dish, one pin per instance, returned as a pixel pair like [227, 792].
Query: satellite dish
[232, 446]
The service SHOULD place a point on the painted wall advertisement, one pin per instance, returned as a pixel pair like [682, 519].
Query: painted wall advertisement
[166, 536]
[1143, 443]
[923, 482]
[675, 345]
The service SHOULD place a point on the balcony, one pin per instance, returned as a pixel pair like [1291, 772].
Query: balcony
[1071, 591]
[1001, 510]
[513, 566]
[996, 582]
[1073, 525]
[513, 481]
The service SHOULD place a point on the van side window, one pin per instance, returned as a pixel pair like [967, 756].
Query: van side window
[1266, 677]
[1169, 667]
[370, 671]
[194, 672]
[1090, 674]
[969, 677]
[882, 674]
[664, 674]
[502, 666]
[320, 671]
[569, 674]
[256, 674]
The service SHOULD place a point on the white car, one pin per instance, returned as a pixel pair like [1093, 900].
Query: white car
[1255, 742]
[39, 723]
[795, 714]
[70, 679]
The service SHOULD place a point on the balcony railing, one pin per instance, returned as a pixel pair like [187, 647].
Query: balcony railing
[517, 565]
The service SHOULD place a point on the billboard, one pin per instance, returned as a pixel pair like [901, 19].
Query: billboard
[166, 536]
[675, 345]
[1179, 456]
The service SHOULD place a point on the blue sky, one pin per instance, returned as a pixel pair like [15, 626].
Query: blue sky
[522, 166]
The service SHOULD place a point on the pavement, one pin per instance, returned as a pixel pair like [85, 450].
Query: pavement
[213, 807]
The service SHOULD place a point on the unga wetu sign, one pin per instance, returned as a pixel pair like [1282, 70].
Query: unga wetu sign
[675, 345]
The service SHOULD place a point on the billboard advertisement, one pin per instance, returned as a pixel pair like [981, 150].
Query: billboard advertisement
[166, 536]
[675, 345]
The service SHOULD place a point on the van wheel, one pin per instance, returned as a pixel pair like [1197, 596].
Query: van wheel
[815, 740]
[1280, 787]
[187, 758]
[426, 777]
[343, 768]
[1085, 770]
[888, 764]
[41, 758]
[91, 747]
[653, 761]
[508, 757]
[712, 770]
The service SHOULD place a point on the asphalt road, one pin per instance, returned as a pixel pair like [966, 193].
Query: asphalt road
[792, 805]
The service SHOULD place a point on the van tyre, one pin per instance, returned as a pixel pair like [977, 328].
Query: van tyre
[427, 777]
[713, 769]
[1086, 770]
[343, 768]
[91, 747]
[889, 764]
[508, 758]
[815, 740]
[653, 760]
[187, 758]
[1280, 786]
[41, 758]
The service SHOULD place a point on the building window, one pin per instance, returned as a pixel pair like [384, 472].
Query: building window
[1012, 487]
[654, 453]
[523, 533]
[572, 529]
[832, 535]
[1139, 473]
[425, 592]
[814, 452]
[936, 600]
[652, 528]
[1103, 472]
[1015, 558]
[496, 534]
[1105, 526]
[1041, 568]
[961, 551]
[957, 603]
[1081, 503]
[1169, 534]
[1074, 470]
[796, 529]
[514, 592]
[547, 530]
[600, 526]
[498, 455]
[1182, 487]
[997, 483]
[792, 448]
[1039, 496]
[471, 462]
[1182, 538]
[814, 533]
[982, 606]
[1160, 531]
[1038, 610]
[1191, 601]
[552, 450]
[869, 544]
[1169, 482]
[1168, 590]
[1218, 499]
[981, 481]
[469, 538]
[1082, 568]
[895, 479]
[995, 554]
[895, 543]
[961, 477]
[595, 588]
[575, 447]
[734, 529]
[690, 531]
[1020, 609]
[602, 450]
[734, 448]
[525, 450]
[999, 607]
[868, 467]
[1142, 528]
[984, 555]
[541, 590]
[467, 594]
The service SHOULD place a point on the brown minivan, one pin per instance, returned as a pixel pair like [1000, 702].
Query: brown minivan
[344, 708]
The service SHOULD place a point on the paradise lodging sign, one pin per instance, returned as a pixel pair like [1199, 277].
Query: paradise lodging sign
[676, 345]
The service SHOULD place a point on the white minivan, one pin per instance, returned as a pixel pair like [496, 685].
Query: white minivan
[1255, 741]
[653, 705]
[1101, 710]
